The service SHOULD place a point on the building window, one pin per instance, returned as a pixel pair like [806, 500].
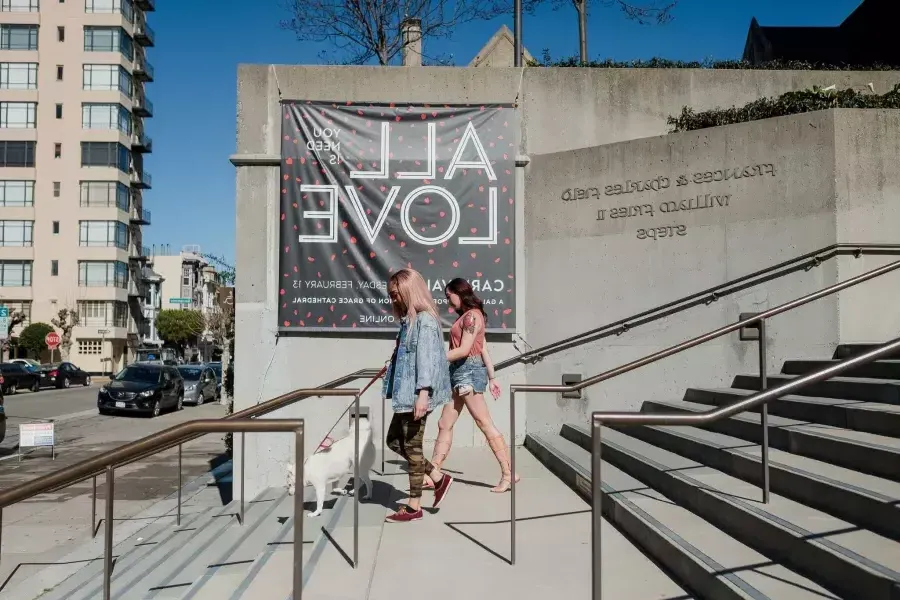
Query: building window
[90, 347]
[106, 116]
[55, 227]
[94, 313]
[57, 150]
[59, 72]
[15, 273]
[18, 115]
[16, 233]
[126, 7]
[111, 273]
[60, 34]
[103, 234]
[108, 39]
[16, 154]
[18, 37]
[105, 154]
[20, 306]
[59, 111]
[20, 5]
[56, 189]
[54, 268]
[104, 194]
[16, 193]
[108, 78]
[18, 76]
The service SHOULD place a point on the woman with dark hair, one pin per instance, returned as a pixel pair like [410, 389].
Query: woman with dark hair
[471, 372]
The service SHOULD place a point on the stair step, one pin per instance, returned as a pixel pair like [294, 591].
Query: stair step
[868, 501]
[880, 369]
[174, 576]
[851, 562]
[845, 351]
[865, 452]
[871, 417]
[885, 391]
[704, 558]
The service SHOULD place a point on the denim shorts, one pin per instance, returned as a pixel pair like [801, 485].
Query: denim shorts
[469, 372]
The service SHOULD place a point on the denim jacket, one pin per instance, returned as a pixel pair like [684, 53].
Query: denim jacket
[419, 362]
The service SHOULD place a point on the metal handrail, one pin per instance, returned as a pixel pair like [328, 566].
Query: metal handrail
[760, 398]
[757, 321]
[177, 434]
[708, 296]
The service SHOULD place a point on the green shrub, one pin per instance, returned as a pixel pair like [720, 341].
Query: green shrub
[791, 103]
[665, 63]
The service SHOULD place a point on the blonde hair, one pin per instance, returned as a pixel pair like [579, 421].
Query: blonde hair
[414, 294]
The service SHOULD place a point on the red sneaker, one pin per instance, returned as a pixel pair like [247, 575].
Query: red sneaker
[405, 515]
[441, 488]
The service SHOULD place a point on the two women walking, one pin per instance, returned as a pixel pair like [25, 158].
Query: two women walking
[421, 376]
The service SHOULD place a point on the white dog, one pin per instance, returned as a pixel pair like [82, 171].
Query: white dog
[325, 468]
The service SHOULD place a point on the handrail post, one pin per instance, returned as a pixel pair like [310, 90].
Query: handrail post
[383, 432]
[243, 439]
[763, 384]
[178, 515]
[596, 509]
[94, 509]
[512, 476]
[298, 516]
[356, 483]
[108, 534]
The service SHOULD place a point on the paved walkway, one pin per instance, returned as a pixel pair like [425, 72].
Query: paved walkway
[462, 550]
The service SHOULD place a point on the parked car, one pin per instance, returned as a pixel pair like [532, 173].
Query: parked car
[29, 363]
[63, 375]
[2, 417]
[217, 370]
[16, 377]
[142, 388]
[199, 383]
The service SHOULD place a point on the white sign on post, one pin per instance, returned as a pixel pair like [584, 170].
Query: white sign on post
[37, 435]
[4, 322]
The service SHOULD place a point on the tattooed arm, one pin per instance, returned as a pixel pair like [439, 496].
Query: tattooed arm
[471, 327]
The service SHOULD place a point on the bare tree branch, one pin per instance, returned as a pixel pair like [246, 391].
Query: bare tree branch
[365, 30]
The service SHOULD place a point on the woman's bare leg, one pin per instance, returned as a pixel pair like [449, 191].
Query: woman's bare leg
[449, 417]
[479, 410]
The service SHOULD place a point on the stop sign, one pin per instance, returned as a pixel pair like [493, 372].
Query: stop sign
[52, 340]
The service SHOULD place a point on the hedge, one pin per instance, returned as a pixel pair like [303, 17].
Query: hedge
[664, 63]
[791, 103]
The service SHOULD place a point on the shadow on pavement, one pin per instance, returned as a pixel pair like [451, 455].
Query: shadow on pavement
[223, 478]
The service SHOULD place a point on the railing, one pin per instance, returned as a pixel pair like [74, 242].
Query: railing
[757, 321]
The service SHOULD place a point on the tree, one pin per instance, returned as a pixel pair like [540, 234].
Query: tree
[65, 320]
[644, 12]
[363, 31]
[16, 318]
[180, 327]
[32, 338]
[226, 270]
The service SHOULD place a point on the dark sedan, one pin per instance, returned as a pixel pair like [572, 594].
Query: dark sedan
[16, 377]
[142, 388]
[63, 375]
[2, 420]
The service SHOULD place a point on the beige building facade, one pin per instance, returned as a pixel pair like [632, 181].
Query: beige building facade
[72, 148]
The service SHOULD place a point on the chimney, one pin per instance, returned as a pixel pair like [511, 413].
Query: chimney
[411, 31]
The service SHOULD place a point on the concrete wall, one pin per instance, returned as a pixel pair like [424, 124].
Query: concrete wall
[562, 109]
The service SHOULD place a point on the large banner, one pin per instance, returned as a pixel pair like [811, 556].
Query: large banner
[371, 188]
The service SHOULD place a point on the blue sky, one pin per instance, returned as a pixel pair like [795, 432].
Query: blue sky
[201, 42]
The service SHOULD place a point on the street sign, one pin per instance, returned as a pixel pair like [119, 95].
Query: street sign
[180, 301]
[52, 340]
[103, 331]
[37, 435]
[4, 323]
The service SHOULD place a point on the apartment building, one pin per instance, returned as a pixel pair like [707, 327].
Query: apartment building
[72, 178]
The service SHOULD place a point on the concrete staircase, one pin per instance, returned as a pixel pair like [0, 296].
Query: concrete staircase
[690, 497]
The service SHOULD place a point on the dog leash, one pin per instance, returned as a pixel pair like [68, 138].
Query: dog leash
[327, 441]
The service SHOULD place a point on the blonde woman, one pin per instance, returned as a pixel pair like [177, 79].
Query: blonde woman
[417, 381]
[471, 373]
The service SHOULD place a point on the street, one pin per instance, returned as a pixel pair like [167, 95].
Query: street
[48, 527]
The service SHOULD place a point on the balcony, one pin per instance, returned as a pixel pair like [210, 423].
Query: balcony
[146, 5]
[137, 289]
[141, 143]
[142, 107]
[141, 180]
[143, 34]
[140, 253]
[143, 70]
[140, 216]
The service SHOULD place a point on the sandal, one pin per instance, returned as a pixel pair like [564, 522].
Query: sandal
[505, 485]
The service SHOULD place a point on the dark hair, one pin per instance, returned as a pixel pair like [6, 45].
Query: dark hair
[467, 297]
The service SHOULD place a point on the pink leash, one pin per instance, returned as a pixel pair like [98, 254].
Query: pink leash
[327, 441]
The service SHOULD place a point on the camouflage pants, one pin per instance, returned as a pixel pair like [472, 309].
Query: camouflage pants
[404, 436]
